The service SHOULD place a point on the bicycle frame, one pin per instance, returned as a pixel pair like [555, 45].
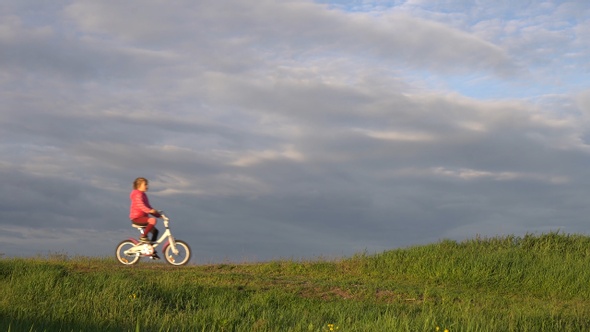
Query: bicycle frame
[166, 235]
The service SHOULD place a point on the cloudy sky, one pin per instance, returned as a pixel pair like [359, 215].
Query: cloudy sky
[292, 129]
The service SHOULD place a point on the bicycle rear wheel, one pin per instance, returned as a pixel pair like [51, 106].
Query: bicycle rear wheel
[122, 257]
[183, 256]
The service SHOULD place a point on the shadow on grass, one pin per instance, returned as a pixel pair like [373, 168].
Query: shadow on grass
[34, 324]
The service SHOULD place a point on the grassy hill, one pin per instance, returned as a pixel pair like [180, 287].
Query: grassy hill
[530, 283]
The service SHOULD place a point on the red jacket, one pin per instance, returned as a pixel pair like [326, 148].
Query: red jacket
[140, 205]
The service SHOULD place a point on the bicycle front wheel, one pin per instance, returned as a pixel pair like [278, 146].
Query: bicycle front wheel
[122, 257]
[183, 255]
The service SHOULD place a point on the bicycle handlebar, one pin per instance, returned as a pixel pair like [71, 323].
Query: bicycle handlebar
[162, 215]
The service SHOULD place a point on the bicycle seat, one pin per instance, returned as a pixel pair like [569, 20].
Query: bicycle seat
[138, 226]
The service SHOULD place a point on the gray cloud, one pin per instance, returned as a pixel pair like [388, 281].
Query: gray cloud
[306, 29]
[289, 129]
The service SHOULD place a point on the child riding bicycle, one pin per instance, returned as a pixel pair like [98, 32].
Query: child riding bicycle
[140, 211]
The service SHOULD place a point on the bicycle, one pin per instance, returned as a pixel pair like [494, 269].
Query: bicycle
[176, 252]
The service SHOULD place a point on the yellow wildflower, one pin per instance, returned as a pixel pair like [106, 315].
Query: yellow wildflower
[332, 327]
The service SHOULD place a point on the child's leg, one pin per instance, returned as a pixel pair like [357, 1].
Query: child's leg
[155, 233]
[151, 223]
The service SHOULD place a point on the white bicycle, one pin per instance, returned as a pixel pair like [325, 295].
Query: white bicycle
[176, 252]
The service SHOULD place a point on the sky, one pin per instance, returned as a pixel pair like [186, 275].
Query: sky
[292, 129]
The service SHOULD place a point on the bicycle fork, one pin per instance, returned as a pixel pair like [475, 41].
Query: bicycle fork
[172, 244]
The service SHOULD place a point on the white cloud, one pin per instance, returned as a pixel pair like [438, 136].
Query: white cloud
[398, 136]
[255, 157]
[472, 174]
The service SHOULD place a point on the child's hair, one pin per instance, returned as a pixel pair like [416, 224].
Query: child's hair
[138, 182]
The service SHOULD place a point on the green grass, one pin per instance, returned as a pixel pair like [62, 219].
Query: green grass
[530, 283]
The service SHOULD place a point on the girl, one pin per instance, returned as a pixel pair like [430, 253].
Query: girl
[140, 209]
